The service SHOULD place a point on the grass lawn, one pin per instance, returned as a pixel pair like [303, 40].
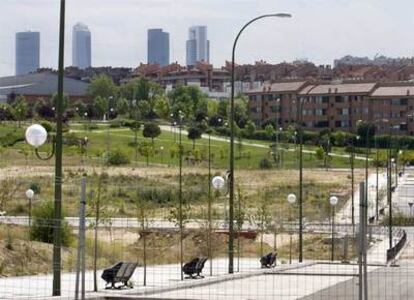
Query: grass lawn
[248, 156]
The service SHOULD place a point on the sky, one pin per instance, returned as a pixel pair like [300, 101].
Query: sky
[319, 30]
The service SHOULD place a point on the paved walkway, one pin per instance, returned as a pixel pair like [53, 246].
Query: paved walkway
[345, 214]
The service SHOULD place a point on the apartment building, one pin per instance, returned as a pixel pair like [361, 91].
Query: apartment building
[336, 106]
[273, 102]
[392, 109]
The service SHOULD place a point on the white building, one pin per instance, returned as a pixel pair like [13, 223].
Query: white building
[198, 46]
[81, 46]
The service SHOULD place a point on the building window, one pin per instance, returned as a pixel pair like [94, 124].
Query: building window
[275, 108]
[325, 99]
[403, 101]
[322, 124]
[339, 99]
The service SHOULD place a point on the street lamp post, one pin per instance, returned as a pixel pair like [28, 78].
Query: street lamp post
[351, 160]
[377, 169]
[389, 186]
[376, 185]
[367, 150]
[300, 180]
[231, 174]
[58, 159]
[333, 200]
[291, 198]
[30, 194]
[180, 194]
[218, 183]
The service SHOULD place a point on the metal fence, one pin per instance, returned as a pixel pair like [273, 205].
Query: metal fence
[97, 237]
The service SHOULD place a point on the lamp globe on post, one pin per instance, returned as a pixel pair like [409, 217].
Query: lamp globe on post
[218, 182]
[30, 194]
[291, 198]
[36, 135]
[333, 200]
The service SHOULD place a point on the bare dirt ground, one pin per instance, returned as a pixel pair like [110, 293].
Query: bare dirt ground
[256, 178]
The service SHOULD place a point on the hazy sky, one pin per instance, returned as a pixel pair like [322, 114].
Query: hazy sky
[320, 30]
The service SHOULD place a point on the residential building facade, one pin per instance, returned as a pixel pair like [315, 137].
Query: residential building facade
[81, 46]
[27, 52]
[339, 106]
[158, 47]
[209, 79]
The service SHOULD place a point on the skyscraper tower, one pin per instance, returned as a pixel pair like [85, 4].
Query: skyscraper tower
[81, 46]
[27, 52]
[198, 47]
[158, 47]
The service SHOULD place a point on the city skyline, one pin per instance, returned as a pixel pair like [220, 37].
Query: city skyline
[122, 40]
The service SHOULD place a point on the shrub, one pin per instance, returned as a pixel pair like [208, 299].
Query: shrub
[48, 126]
[71, 139]
[116, 158]
[265, 164]
[115, 124]
[43, 224]
[35, 187]
[10, 139]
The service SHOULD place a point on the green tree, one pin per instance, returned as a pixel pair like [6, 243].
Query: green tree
[270, 131]
[250, 128]
[188, 99]
[44, 222]
[102, 86]
[147, 150]
[162, 107]
[141, 89]
[366, 130]
[20, 109]
[222, 108]
[212, 107]
[144, 108]
[135, 126]
[122, 106]
[151, 130]
[263, 215]
[100, 105]
[194, 133]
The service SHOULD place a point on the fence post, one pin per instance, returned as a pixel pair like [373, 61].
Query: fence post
[345, 254]
[361, 239]
[80, 263]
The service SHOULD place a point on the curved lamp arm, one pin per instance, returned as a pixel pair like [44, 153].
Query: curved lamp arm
[50, 155]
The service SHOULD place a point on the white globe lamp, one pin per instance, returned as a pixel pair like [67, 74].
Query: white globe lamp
[36, 135]
[291, 198]
[218, 182]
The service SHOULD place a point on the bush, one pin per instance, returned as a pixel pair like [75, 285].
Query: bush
[71, 139]
[35, 187]
[117, 158]
[48, 126]
[11, 138]
[115, 124]
[43, 224]
[265, 164]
